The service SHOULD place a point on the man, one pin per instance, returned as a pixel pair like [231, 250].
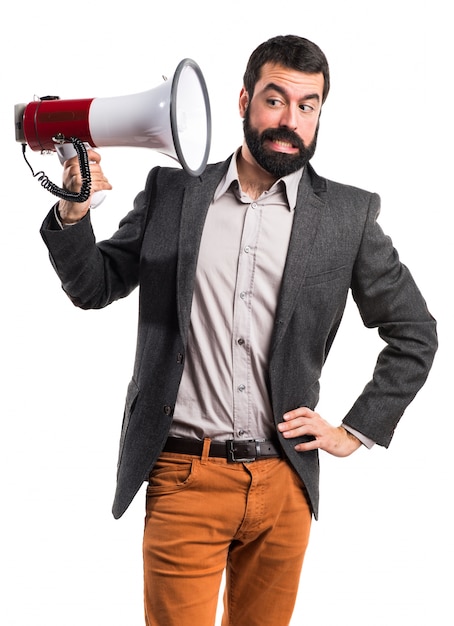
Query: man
[243, 274]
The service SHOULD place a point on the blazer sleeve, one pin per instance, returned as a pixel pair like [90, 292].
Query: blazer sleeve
[388, 299]
[95, 274]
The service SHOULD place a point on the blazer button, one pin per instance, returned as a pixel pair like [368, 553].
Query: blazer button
[180, 358]
[167, 409]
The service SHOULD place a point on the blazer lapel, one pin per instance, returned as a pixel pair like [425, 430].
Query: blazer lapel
[197, 199]
[305, 224]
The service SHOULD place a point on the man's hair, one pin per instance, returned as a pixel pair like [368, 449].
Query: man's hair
[290, 51]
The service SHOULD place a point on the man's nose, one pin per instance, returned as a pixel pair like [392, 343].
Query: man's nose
[289, 118]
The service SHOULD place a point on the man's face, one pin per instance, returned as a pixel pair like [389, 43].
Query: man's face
[281, 119]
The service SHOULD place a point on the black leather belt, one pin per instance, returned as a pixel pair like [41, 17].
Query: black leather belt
[235, 451]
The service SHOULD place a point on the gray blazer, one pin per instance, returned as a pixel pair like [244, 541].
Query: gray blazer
[336, 245]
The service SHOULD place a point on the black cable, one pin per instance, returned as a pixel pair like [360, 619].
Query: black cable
[84, 165]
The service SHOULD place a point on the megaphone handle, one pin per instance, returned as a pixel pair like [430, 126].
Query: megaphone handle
[66, 151]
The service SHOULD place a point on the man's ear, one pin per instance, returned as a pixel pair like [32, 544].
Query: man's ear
[244, 101]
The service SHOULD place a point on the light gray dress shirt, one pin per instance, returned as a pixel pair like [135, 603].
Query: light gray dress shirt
[223, 392]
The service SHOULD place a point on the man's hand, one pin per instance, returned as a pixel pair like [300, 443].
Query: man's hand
[333, 439]
[72, 212]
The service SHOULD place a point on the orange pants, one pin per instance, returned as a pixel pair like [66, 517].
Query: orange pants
[204, 516]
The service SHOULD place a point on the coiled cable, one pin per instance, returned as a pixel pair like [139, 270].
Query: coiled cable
[65, 194]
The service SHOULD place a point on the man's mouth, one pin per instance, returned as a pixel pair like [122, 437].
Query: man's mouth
[279, 145]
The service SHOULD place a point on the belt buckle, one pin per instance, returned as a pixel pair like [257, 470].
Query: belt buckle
[246, 451]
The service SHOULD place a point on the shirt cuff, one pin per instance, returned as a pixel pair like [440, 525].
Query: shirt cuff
[369, 443]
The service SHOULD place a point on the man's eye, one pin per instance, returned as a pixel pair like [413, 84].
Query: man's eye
[306, 108]
[274, 102]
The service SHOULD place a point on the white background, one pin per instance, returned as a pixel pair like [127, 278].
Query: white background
[382, 552]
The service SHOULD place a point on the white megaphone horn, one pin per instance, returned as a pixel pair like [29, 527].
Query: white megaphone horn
[173, 118]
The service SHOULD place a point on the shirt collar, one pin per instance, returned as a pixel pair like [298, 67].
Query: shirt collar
[290, 182]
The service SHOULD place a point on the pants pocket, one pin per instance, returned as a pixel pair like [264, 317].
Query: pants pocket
[170, 476]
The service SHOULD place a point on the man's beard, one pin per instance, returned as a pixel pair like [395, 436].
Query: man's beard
[278, 164]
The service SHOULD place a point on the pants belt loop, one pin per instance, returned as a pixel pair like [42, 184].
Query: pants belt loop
[205, 450]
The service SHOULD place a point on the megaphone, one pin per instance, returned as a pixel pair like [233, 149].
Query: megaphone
[173, 118]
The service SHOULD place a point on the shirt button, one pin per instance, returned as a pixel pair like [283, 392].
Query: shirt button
[243, 295]
[241, 433]
[254, 205]
[241, 387]
[247, 249]
[241, 341]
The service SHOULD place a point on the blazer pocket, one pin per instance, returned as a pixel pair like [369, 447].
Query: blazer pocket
[325, 277]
